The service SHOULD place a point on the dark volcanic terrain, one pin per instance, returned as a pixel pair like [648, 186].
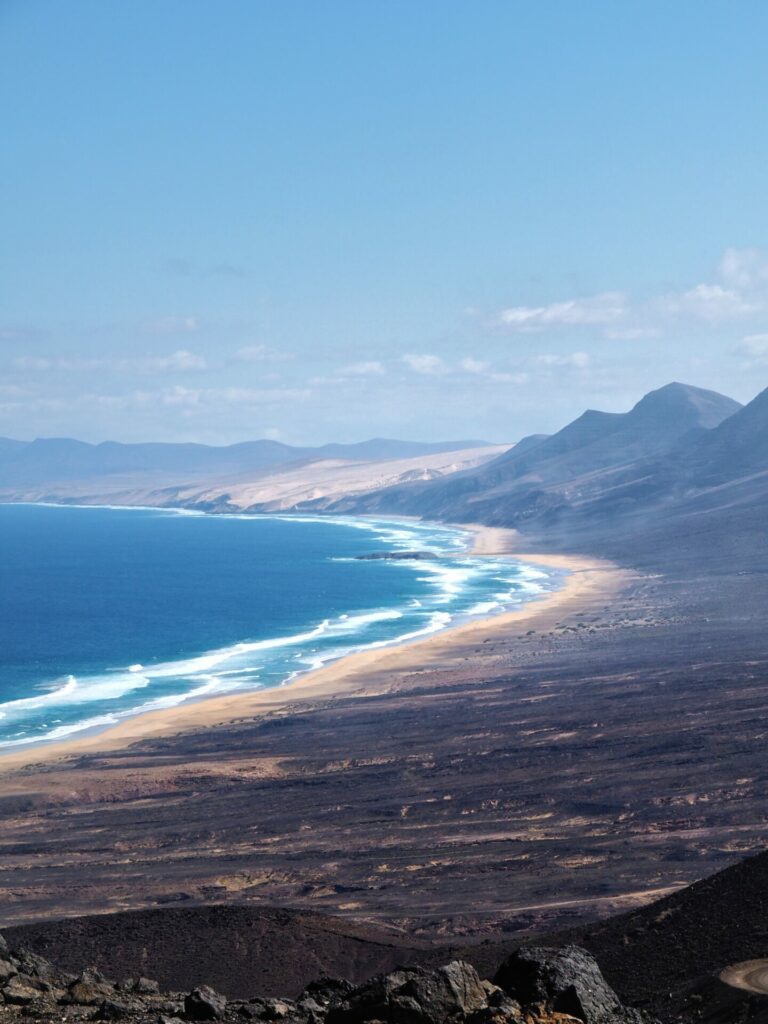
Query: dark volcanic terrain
[665, 958]
[531, 986]
[539, 778]
[684, 942]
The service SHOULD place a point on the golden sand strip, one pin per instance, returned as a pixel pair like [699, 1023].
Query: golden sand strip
[367, 672]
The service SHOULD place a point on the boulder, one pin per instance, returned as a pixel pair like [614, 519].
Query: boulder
[19, 992]
[327, 991]
[310, 1008]
[268, 1009]
[110, 1009]
[90, 989]
[146, 987]
[7, 970]
[500, 1007]
[204, 1004]
[414, 995]
[566, 981]
[32, 965]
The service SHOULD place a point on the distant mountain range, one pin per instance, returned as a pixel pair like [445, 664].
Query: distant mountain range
[50, 461]
[684, 470]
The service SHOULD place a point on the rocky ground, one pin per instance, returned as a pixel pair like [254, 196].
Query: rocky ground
[533, 986]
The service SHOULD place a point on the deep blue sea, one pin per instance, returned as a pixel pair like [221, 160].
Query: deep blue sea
[105, 612]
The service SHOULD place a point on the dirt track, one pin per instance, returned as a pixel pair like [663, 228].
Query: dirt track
[751, 975]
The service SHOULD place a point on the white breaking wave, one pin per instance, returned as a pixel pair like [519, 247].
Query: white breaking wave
[457, 586]
[483, 608]
[38, 701]
[62, 731]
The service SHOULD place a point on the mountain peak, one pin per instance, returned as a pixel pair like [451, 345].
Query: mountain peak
[684, 404]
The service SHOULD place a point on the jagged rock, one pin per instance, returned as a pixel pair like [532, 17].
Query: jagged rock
[327, 990]
[171, 1007]
[309, 1007]
[500, 1009]
[414, 996]
[278, 1009]
[111, 1010]
[20, 992]
[3, 945]
[566, 981]
[146, 987]
[534, 986]
[32, 965]
[268, 1009]
[90, 989]
[7, 970]
[499, 1000]
[204, 1004]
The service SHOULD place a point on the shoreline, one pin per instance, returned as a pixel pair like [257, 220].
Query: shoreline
[357, 673]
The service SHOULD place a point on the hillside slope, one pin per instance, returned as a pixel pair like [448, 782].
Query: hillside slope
[670, 951]
[240, 950]
[533, 485]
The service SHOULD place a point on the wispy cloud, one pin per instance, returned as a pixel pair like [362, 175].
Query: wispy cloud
[181, 360]
[183, 396]
[738, 290]
[501, 377]
[579, 360]
[481, 369]
[262, 354]
[472, 365]
[429, 365]
[606, 308]
[372, 368]
[755, 350]
[744, 268]
[710, 302]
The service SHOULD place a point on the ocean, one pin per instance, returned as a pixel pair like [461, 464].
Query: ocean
[107, 612]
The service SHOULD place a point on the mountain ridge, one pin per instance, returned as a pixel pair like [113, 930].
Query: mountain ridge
[579, 465]
[46, 461]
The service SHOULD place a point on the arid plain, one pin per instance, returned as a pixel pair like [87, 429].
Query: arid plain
[528, 773]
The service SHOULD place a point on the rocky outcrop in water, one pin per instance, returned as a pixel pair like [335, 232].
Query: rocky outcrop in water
[534, 986]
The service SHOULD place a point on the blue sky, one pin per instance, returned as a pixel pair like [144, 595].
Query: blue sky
[332, 220]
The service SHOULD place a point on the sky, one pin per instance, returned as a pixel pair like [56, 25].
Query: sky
[328, 221]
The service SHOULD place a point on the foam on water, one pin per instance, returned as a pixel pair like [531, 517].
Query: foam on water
[429, 596]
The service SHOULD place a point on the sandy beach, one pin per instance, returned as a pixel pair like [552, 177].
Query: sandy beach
[512, 773]
[586, 580]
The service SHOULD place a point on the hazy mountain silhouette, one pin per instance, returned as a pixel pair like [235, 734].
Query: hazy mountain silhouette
[47, 461]
[579, 466]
